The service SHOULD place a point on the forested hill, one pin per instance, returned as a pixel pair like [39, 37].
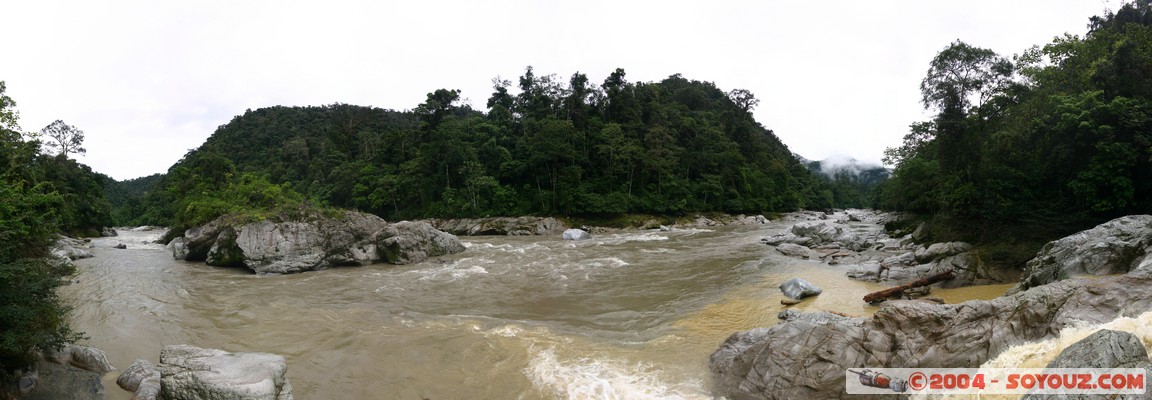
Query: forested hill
[542, 146]
[1058, 138]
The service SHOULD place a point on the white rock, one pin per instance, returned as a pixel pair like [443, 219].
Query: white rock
[576, 234]
[193, 373]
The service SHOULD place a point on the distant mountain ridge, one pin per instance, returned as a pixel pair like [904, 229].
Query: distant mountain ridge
[552, 148]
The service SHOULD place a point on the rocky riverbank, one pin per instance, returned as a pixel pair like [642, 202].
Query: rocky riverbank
[538, 226]
[806, 355]
[184, 373]
[856, 239]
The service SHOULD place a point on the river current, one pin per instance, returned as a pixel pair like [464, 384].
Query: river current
[626, 315]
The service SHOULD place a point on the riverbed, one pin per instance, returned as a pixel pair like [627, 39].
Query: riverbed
[624, 315]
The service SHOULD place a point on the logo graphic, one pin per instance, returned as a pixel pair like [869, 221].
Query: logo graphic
[952, 381]
[875, 379]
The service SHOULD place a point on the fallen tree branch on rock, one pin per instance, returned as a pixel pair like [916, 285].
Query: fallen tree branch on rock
[877, 297]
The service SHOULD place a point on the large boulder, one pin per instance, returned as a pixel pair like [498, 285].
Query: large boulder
[412, 242]
[66, 248]
[1103, 349]
[193, 373]
[794, 250]
[142, 379]
[519, 226]
[806, 358]
[1114, 247]
[315, 241]
[817, 233]
[576, 234]
[63, 382]
[797, 289]
[82, 357]
[938, 251]
[821, 232]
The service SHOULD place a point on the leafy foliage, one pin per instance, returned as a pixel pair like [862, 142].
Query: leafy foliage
[126, 198]
[544, 146]
[1062, 139]
[32, 211]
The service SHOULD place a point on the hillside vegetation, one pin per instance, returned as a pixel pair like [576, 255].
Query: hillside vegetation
[1054, 140]
[544, 146]
[41, 195]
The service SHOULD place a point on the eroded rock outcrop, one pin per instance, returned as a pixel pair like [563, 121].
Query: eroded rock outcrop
[142, 378]
[311, 243]
[71, 373]
[63, 382]
[817, 233]
[806, 358]
[193, 373]
[1103, 349]
[412, 242]
[83, 357]
[520, 226]
[68, 249]
[1114, 247]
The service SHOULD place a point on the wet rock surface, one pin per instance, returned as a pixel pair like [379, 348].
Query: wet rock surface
[142, 378]
[1114, 247]
[1103, 349]
[805, 357]
[518, 226]
[797, 289]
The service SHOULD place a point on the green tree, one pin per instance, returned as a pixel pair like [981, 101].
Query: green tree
[31, 315]
[65, 139]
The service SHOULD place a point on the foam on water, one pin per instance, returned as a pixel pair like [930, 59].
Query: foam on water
[567, 367]
[616, 239]
[591, 378]
[690, 231]
[450, 272]
[607, 262]
[1039, 354]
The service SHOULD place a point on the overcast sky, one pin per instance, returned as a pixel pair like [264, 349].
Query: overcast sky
[148, 80]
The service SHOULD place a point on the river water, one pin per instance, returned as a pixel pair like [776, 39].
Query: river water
[628, 315]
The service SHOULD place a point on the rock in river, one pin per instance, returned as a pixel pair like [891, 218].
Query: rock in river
[193, 373]
[797, 289]
[576, 234]
[1114, 247]
[519, 226]
[315, 241]
[141, 378]
[1103, 349]
[412, 242]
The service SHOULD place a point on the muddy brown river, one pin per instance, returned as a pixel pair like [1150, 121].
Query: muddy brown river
[629, 315]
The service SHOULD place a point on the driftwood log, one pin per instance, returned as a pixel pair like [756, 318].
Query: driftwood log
[876, 297]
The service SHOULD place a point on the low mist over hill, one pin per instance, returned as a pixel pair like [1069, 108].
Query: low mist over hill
[853, 182]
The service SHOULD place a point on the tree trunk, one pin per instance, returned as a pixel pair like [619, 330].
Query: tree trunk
[877, 297]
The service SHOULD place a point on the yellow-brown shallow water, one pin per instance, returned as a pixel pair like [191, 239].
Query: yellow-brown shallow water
[630, 315]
